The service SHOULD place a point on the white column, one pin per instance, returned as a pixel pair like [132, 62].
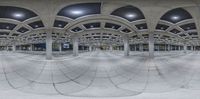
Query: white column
[49, 42]
[185, 48]
[111, 47]
[169, 48]
[13, 48]
[7, 48]
[75, 45]
[31, 47]
[90, 48]
[151, 45]
[141, 47]
[60, 47]
[192, 48]
[126, 45]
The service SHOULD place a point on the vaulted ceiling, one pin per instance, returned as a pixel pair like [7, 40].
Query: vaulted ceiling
[98, 21]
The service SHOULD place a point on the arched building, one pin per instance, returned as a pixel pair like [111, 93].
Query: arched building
[100, 48]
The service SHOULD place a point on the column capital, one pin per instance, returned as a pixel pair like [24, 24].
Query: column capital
[151, 45]
[49, 44]
[151, 35]
[48, 30]
[75, 35]
[125, 36]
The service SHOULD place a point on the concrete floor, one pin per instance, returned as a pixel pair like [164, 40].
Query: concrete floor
[104, 74]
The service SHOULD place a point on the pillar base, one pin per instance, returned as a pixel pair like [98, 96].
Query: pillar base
[49, 58]
[126, 54]
[151, 55]
[75, 55]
